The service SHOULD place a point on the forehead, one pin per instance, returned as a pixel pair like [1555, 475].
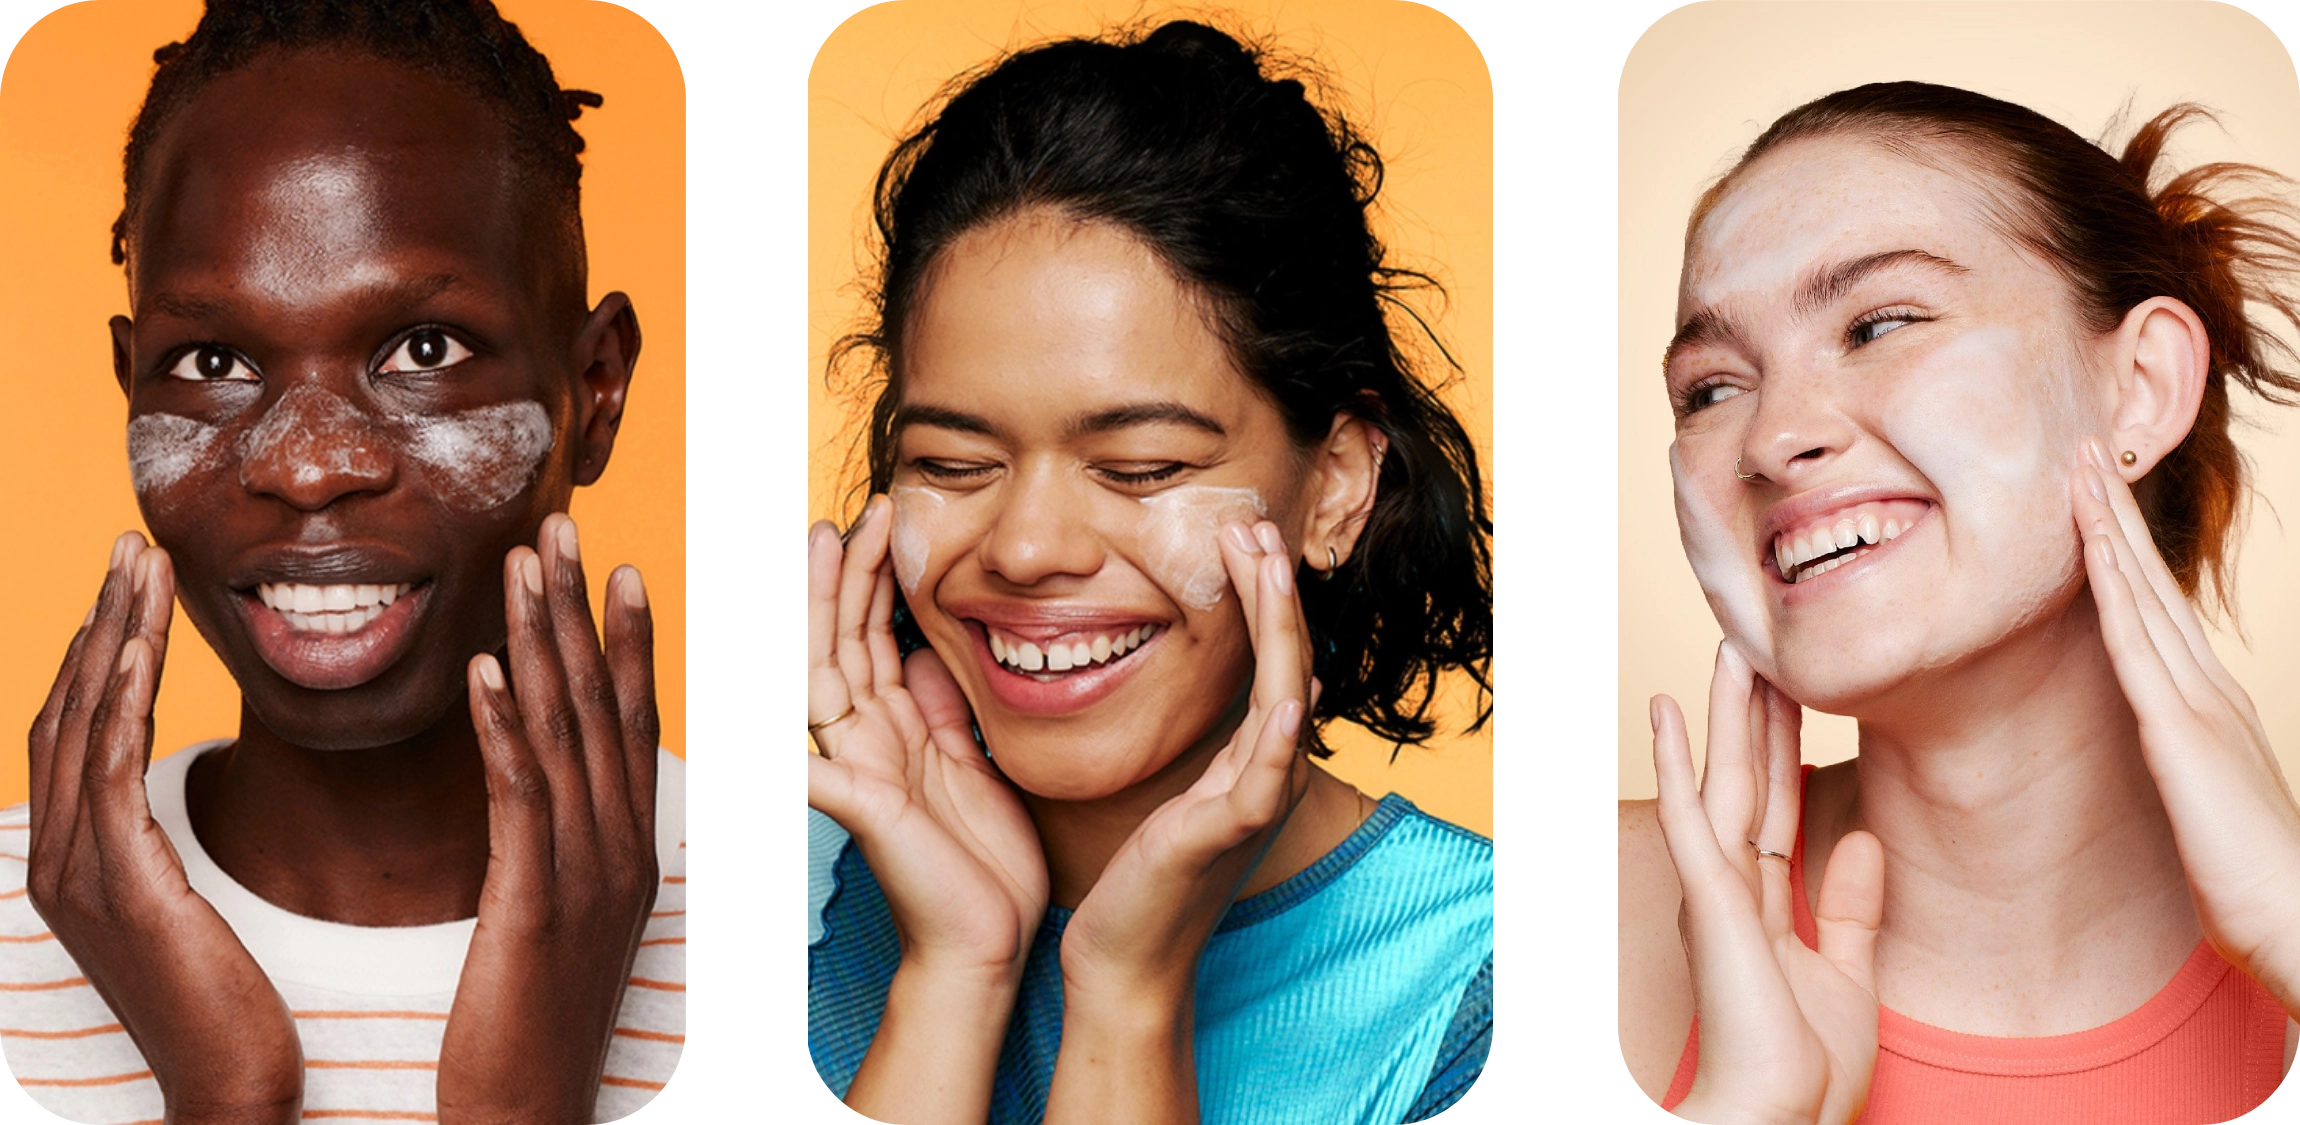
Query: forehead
[299, 166]
[1837, 198]
[1043, 310]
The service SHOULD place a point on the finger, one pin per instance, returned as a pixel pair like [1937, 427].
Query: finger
[519, 831]
[1279, 670]
[1258, 798]
[120, 746]
[1729, 796]
[42, 742]
[600, 752]
[1852, 906]
[157, 590]
[551, 731]
[2117, 497]
[2140, 669]
[1693, 846]
[98, 663]
[1241, 554]
[2171, 649]
[866, 555]
[1777, 831]
[885, 653]
[949, 721]
[631, 661]
[826, 686]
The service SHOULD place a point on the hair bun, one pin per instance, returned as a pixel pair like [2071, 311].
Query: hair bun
[1200, 43]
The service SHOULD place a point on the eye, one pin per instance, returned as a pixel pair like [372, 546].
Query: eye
[1709, 394]
[1136, 474]
[212, 363]
[1872, 325]
[936, 469]
[427, 349]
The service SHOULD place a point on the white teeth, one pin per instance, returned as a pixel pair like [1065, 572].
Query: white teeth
[308, 599]
[1846, 536]
[1065, 656]
[1031, 659]
[1893, 529]
[340, 608]
[1100, 651]
[997, 649]
[1058, 658]
[1868, 528]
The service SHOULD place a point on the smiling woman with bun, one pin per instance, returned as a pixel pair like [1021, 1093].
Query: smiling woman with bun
[1953, 394]
[1156, 495]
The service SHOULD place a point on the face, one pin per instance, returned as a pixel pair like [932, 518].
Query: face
[1903, 390]
[355, 379]
[1071, 439]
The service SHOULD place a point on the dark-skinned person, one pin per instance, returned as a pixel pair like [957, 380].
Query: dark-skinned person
[437, 871]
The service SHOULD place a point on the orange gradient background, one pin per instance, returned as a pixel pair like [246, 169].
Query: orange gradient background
[1405, 75]
[68, 96]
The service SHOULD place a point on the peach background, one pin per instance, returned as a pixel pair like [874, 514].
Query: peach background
[1403, 73]
[1706, 79]
[69, 93]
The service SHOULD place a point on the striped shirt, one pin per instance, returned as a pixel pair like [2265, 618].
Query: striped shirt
[370, 1002]
[1357, 992]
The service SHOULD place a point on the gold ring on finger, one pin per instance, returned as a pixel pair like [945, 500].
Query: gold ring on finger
[814, 728]
[1764, 853]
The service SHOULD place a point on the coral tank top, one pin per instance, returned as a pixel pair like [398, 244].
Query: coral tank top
[2208, 1047]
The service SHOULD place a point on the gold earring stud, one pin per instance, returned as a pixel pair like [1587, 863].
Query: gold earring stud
[2129, 457]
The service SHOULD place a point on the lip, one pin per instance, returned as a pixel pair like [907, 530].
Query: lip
[1066, 695]
[331, 661]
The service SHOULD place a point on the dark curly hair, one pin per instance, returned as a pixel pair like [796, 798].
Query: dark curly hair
[1257, 198]
[465, 42]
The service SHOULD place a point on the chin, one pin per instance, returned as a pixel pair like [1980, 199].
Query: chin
[361, 718]
[1062, 768]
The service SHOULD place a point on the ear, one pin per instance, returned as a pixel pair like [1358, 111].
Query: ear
[606, 351]
[123, 351]
[2160, 356]
[1344, 470]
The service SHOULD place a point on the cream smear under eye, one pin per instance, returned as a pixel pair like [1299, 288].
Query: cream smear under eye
[1180, 535]
[484, 457]
[918, 518]
[162, 448]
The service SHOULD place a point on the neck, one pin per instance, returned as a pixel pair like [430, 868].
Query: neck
[2031, 885]
[390, 836]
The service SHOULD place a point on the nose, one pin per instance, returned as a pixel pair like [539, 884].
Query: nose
[1042, 531]
[313, 447]
[1800, 425]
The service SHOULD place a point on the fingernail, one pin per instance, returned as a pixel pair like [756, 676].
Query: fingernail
[1653, 713]
[127, 657]
[2104, 552]
[815, 534]
[90, 619]
[1290, 719]
[567, 540]
[2092, 485]
[119, 551]
[490, 673]
[1281, 573]
[1271, 540]
[1239, 537]
[2095, 453]
[531, 574]
[634, 591]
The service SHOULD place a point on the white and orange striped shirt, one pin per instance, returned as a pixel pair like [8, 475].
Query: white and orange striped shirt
[370, 1002]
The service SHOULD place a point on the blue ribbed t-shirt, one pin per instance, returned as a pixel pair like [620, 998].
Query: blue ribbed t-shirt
[1358, 991]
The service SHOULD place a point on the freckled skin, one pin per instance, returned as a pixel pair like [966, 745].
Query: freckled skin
[1975, 403]
[306, 212]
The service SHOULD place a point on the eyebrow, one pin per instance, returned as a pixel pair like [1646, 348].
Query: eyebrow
[1822, 286]
[1099, 422]
[193, 306]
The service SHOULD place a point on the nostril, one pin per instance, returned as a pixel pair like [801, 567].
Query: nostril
[1813, 454]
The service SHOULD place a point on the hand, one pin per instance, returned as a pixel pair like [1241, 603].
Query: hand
[569, 748]
[2232, 814]
[103, 875]
[1130, 953]
[1788, 1034]
[946, 837]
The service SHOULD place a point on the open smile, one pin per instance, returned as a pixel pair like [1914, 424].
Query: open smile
[1827, 541]
[336, 636]
[1060, 667]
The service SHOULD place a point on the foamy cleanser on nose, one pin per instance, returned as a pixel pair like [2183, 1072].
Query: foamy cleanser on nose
[1180, 532]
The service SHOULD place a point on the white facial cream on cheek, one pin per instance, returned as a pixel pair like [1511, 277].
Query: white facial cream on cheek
[162, 448]
[918, 516]
[1180, 532]
[484, 457]
[1730, 573]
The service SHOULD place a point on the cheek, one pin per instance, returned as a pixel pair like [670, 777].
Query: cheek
[1179, 536]
[479, 460]
[922, 520]
[165, 448]
[1726, 566]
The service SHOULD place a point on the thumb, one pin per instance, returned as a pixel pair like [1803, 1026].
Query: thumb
[949, 721]
[1851, 906]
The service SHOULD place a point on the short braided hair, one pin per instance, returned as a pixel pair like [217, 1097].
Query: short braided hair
[464, 42]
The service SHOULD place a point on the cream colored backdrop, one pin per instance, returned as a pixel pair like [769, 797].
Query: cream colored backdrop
[1706, 79]
[1406, 76]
